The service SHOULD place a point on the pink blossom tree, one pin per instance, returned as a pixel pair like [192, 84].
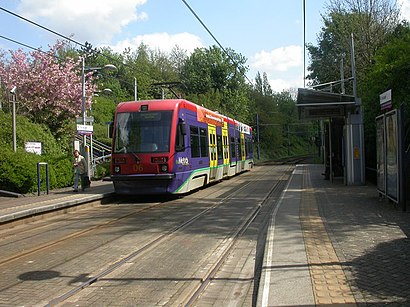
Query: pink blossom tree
[49, 88]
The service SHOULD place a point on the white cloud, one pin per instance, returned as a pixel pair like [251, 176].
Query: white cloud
[405, 9]
[90, 20]
[279, 85]
[279, 59]
[161, 41]
[283, 66]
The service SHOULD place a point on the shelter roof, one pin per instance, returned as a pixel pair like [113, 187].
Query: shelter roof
[314, 104]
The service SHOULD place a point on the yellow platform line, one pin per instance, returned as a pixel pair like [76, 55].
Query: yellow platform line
[330, 285]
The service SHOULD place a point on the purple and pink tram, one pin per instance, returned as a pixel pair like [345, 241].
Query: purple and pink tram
[175, 146]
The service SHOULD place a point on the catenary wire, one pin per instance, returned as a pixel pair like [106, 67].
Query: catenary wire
[67, 38]
[111, 58]
[42, 27]
[213, 36]
[28, 46]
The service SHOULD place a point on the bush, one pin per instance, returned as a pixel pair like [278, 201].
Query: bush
[18, 170]
[102, 170]
[27, 131]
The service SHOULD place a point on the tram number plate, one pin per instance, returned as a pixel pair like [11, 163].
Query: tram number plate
[138, 168]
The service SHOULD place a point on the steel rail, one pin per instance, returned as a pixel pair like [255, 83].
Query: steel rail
[154, 242]
[231, 243]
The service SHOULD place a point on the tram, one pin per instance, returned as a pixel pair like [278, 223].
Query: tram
[174, 146]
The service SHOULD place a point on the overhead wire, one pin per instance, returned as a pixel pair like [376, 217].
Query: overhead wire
[213, 36]
[42, 27]
[111, 58]
[27, 46]
[66, 38]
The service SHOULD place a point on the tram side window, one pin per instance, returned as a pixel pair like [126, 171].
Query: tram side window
[204, 142]
[180, 141]
[239, 148]
[198, 142]
[233, 149]
[249, 147]
[219, 146]
[194, 140]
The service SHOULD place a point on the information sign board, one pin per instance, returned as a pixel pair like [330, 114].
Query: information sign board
[34, 147]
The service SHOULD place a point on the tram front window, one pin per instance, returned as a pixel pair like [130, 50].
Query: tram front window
[142, 132]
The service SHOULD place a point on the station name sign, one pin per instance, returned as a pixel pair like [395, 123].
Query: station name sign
[385, 100]
[85, 129]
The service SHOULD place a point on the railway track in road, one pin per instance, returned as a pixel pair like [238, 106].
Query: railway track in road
[266, 205]
[165, 222]
[141, 250]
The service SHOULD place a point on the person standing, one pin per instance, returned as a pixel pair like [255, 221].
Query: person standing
[80, 170]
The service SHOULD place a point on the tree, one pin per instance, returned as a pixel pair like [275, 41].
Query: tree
[370, 21]
[48, 87]
[262, 85]
[214, 71]
[390, 70]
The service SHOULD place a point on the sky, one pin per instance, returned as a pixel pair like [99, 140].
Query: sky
[268, 33]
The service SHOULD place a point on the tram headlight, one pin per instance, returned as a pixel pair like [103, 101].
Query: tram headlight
[117, 169]
[164, 168]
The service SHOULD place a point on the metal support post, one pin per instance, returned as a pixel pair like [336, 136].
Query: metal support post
[257, 130]
[135, 89]
[402, 157]
[83, 109]
[39, 178]
[353, 66]
[287, 128]
[14, 122]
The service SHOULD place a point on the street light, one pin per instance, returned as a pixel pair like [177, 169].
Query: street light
[83, 70]
[83, 98]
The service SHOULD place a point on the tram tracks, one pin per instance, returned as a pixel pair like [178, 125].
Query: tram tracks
[143, 249]
[261, 211]
[70, 236]
[225, 246]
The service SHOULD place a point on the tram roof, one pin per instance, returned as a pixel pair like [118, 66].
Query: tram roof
[169, 104]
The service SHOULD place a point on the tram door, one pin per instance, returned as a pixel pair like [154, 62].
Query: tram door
[213, 156]
[225, 149]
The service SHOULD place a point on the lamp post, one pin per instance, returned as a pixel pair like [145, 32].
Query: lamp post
[13, 100]
[83, 100]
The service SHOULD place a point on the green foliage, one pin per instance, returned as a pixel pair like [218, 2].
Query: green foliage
[27, 131]
[370, 24]
[103, 112]
[381, 51]
[390, 70]
[18, 170]
[216, 80]
[209, 77]
[102, 170]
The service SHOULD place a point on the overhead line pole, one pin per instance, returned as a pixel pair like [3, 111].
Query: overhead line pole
[304, 43]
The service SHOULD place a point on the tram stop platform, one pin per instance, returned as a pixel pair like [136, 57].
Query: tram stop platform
[14, 207]
[327, 243]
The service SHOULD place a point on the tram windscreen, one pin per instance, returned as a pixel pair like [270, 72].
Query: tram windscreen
[142, 132]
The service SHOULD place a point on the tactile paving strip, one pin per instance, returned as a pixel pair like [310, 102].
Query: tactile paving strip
[329, 282]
